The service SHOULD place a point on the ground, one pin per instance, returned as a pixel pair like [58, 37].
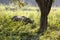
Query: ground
[10, 30]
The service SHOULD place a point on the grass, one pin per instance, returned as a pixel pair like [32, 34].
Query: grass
[10, 30]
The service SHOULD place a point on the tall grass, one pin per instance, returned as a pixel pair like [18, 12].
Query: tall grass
[10, 30]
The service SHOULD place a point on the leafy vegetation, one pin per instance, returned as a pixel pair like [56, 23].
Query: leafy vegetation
[10, 30]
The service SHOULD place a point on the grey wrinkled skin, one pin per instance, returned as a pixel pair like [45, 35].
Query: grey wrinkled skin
[22, 18]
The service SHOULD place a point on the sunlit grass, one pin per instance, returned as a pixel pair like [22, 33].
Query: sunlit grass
[13, 30]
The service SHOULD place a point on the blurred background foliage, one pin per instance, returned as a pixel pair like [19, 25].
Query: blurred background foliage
[10, 30]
